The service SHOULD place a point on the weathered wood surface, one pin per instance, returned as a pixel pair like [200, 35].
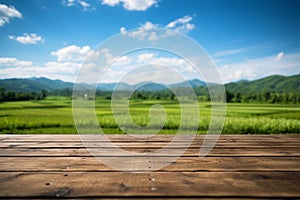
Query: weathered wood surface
[240, 166]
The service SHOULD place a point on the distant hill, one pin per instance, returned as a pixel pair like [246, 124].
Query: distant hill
[274, 83]
[143, 86]
[111, 86]
[194, 83]
[149, 86]
[33, 84]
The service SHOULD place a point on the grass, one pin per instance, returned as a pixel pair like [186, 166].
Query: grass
[55, 116]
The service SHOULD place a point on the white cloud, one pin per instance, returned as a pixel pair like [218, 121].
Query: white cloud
[108, 56]
[92, 68]
[145, 57]
[120, 66]
[229, 52]
[13, 62]
[64, 71]
[279, 56]
[257, 68]
[66, 67]
[72, 53]
[63, 67]
[146, 73]
[182, 24]
[70, 2]
[85, 5]
[139, 5]
[6, 13]
[134, 60]
[69, 62]
[27, 38]
[129, 65]
[174, 62]
[123, 60]
[146, 32]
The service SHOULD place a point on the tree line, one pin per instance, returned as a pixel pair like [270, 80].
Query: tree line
[21, 96]
[201, 93]
[264, 97]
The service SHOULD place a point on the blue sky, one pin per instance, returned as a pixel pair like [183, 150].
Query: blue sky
[247, 39]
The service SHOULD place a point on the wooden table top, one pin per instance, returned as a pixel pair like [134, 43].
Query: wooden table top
[239, 166]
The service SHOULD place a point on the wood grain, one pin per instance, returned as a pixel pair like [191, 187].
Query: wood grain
[206, 184]
[189, 164]
[239, 166]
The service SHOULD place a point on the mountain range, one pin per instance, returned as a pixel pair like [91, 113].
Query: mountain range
[275, 83]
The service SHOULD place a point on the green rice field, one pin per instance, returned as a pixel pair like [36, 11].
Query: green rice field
[54, 116]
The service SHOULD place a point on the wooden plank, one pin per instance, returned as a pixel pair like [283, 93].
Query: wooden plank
[144, 198]
[240, 166]
[185, 164]
[197, 184]
[160, 137]
[227, 152]
[196, 141]
[134, 144]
